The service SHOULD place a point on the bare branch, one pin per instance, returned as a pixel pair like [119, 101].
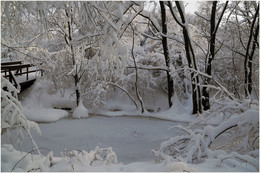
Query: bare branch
[174, 15]
[126, 26]
[150, 68]
[219, 20]
[123, 89]
[154, 38]
[202, 16]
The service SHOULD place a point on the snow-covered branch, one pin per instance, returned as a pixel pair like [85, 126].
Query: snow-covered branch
[152, 19]
[151, 37]
[172, 37]
[210, 77]
[24, 53]
[244, 158]
[132, 17]
[12, 115]
[194, 144]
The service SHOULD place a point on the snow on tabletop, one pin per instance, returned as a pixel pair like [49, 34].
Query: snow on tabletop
[44, 114]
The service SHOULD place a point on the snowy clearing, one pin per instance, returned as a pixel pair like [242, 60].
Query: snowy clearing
[129, 86]
[132, 138]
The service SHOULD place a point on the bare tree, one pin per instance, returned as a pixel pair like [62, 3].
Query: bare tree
[250, 53]
[136, 74]
[166, 52]
[196, 93]
[162, 30]
[211, 53]
[68, 39]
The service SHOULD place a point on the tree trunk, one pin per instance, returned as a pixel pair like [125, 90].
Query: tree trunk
[77, 90]
[166, 53]
[196, 93]
[249, 57]
[250, 62]
[205, 91]
[210, 57]
[69, 37]
[136, 75]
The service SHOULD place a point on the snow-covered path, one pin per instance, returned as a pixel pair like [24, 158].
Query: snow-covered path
[132, 138]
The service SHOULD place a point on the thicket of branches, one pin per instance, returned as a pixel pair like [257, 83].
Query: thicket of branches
[84, 44]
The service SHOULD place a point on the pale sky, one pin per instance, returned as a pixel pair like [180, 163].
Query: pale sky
[191, 7]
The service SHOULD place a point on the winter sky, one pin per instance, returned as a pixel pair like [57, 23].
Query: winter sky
[191, 7]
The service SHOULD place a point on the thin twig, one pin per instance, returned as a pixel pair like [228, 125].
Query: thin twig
[23, 158]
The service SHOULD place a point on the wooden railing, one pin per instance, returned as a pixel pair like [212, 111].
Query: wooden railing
[16, 68]
[11, 63]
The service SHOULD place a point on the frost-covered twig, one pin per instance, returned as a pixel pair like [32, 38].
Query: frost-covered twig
[26, 54]
[107, 155]
[210, 77]
[11, 112]
[130, 21]
[181, 128]
[245, 158]
[172, 37]
[22, 159]
[30, 152]
[148, 16]
[101, 12]
[149, 36]
[202, 16]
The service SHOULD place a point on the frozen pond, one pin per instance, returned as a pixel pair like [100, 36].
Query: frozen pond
[132, 138]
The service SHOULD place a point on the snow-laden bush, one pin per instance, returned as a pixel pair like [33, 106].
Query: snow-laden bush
[11, 113]
[105, 156]
[71, 160]
[223, 108]
[194, 145]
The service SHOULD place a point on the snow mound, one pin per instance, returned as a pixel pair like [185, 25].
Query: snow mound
[80, 112]
[179, 167]
[45, 114]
